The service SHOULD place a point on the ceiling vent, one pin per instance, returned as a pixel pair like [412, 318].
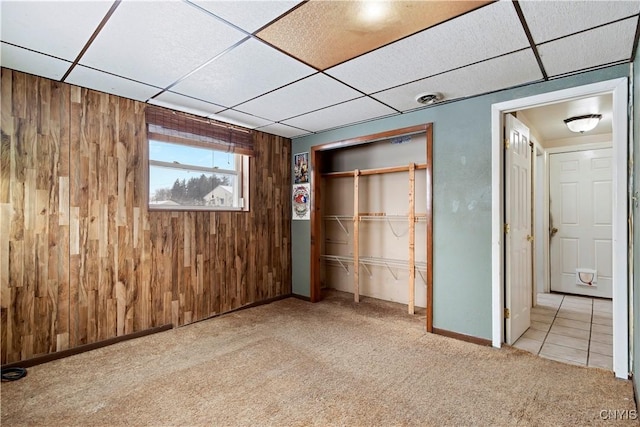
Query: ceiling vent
[428, 98]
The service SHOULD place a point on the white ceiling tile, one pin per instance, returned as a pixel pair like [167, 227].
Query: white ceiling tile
[548, 20]
[250, 15]
[312, 93]
[245, 72]
[499, 73]
[157, 42]
[358, 110]
[283, 130]
[31, 62]
[184, 103]
[240, 119]
[487, 32]
[93, 79]
[592, 48]
[59, 28]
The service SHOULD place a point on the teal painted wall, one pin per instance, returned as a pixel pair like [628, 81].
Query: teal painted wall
[636, 224]
[462, 199]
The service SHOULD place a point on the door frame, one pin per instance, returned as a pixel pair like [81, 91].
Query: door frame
[541, 240]
[619, 89]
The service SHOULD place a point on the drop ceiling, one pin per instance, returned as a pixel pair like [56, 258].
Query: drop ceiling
[292, 68]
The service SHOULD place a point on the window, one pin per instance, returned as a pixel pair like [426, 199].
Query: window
[195, 164]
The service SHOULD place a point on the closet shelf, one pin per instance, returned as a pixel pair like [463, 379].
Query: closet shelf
[340, 259]
[339, 219]
[375, 261]
[383, 217]
[389, 218]
[344, 258]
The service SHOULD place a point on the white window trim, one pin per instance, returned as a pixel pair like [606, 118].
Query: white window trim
[239, 189]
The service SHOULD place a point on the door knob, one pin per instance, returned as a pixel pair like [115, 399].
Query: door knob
[553, 232]
[529, 238]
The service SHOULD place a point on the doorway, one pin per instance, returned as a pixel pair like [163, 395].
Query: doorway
[573, 324]
[618, 89]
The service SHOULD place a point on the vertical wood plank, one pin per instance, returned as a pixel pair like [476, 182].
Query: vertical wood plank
[356, 236]
[59, 116]
[77, 195]
[215, 305]
[7, 176]
[6, 290]
[412, 238]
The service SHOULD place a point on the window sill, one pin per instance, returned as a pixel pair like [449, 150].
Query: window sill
[174, 208]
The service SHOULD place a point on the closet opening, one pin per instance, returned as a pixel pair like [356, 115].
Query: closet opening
[372, 218]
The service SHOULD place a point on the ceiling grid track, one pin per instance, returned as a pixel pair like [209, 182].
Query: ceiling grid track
[110, 12]
[525, 27]
[448, 71]
[367, 95]
[586, 30]
[214, 16]
[271, 91]
[588, 69]
[200, 67]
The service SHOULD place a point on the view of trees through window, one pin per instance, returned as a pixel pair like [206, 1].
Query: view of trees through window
[186, 176]
[195, 191]
[195, 163]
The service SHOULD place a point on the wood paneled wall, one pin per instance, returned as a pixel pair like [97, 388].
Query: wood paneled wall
[34, 216]
[81, 258]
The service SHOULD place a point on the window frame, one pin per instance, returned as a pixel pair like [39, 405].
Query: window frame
[241, 158]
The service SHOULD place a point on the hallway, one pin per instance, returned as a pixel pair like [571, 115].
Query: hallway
[571, 329]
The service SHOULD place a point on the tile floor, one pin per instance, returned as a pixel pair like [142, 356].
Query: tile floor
[571, 329]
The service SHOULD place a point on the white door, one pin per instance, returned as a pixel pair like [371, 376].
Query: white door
[518, 239]
[581, 214]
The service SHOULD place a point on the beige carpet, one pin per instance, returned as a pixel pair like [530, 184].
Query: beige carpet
[293, 363]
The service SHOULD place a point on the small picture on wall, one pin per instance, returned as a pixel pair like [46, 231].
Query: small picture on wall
[301, 168]
[301, 201]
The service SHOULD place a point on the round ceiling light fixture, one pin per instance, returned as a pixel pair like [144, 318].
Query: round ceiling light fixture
[582, 124]
[428, 98]
[374, 11]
